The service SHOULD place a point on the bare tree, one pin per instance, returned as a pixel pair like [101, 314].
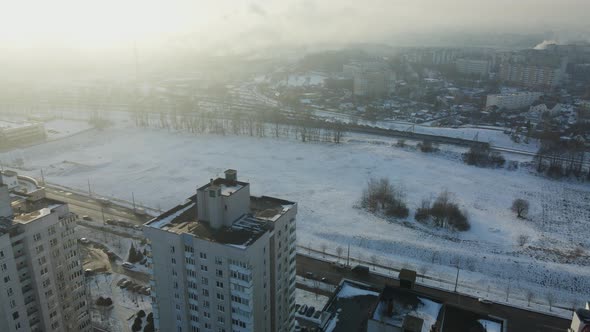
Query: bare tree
[374, 261]
[529, 297]
[422, 270]
[339, 251]
[550, 297]
[520, 207]
[522, 240]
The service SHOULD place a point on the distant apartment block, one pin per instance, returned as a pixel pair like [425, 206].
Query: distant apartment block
[41, 278]
[224, 261]
[15, 133]
[511, 101]
[370, 79]
[473, 67]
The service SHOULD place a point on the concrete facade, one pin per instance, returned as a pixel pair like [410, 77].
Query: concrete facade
[224, 261]
[41, 276]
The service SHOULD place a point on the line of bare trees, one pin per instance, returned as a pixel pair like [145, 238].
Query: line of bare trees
[264, 123]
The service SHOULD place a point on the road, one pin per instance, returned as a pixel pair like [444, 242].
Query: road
[518, 319]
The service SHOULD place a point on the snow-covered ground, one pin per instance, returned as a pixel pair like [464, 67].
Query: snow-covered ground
[163, 168]
[61, 128]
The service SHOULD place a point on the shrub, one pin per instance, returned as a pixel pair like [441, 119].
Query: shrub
[141, 314]
[382, 196]
[444, 213]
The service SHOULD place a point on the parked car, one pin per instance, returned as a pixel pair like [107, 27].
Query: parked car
[125, 283]
[84, 240]
[121, 281]
[86, 218]
[484, 301]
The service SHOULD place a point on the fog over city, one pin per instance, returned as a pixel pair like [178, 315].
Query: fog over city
[51, 33]
[294, 165]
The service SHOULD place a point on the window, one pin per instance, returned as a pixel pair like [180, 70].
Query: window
[203, 255]
[9, 291]
[37, 237]
[41, 260]
[221, 308]
[219, 284]
[172, 249]
[218, 261]
[1, 254]
[6, 279]
[219, 273]
[204, 281]
[204, 268]
[220, 296]
[15, 315]
[39, 249]
[3, 267]
[205, 292]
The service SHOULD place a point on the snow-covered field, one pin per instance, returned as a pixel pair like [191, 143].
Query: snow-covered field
[163, 168]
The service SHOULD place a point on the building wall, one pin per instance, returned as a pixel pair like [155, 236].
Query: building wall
[470, 66]
[13, 313]
[193, 283]
[512, 101]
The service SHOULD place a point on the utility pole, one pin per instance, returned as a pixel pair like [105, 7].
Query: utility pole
[89, 191]
[348, 256]
[42, 177]
[133, 200]
[457, 279]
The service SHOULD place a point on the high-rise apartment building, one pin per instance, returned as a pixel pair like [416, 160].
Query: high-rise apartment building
[41, 277]
[224, 261]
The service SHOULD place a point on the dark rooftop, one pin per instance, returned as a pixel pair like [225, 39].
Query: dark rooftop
[350, 307]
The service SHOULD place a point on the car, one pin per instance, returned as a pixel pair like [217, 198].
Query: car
[309, 275]
[324, 279]
[110, 221]
[125, 283]
[128, 266]
[121, 281]
[88, 272]
[85, 217]
[84, 240]
[484, 301]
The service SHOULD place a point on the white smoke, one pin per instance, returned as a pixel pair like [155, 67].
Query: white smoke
[543, 44]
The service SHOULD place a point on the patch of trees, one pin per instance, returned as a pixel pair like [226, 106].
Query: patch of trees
[482, 156]
[427, 146]
[381, 196]
[520, 207]
[557, 158]
[135, 255]
[443, 213]
[104, 302]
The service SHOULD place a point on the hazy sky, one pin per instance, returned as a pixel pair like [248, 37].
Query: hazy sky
[58, 31]
[100, 24]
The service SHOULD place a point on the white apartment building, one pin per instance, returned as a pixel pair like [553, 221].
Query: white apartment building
[13, 133]
[471, 66]
[224, 261]
[513, 101]
[41, 279]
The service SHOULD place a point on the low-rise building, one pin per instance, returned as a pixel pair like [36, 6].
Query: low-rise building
[511, 101]
[16, 133]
